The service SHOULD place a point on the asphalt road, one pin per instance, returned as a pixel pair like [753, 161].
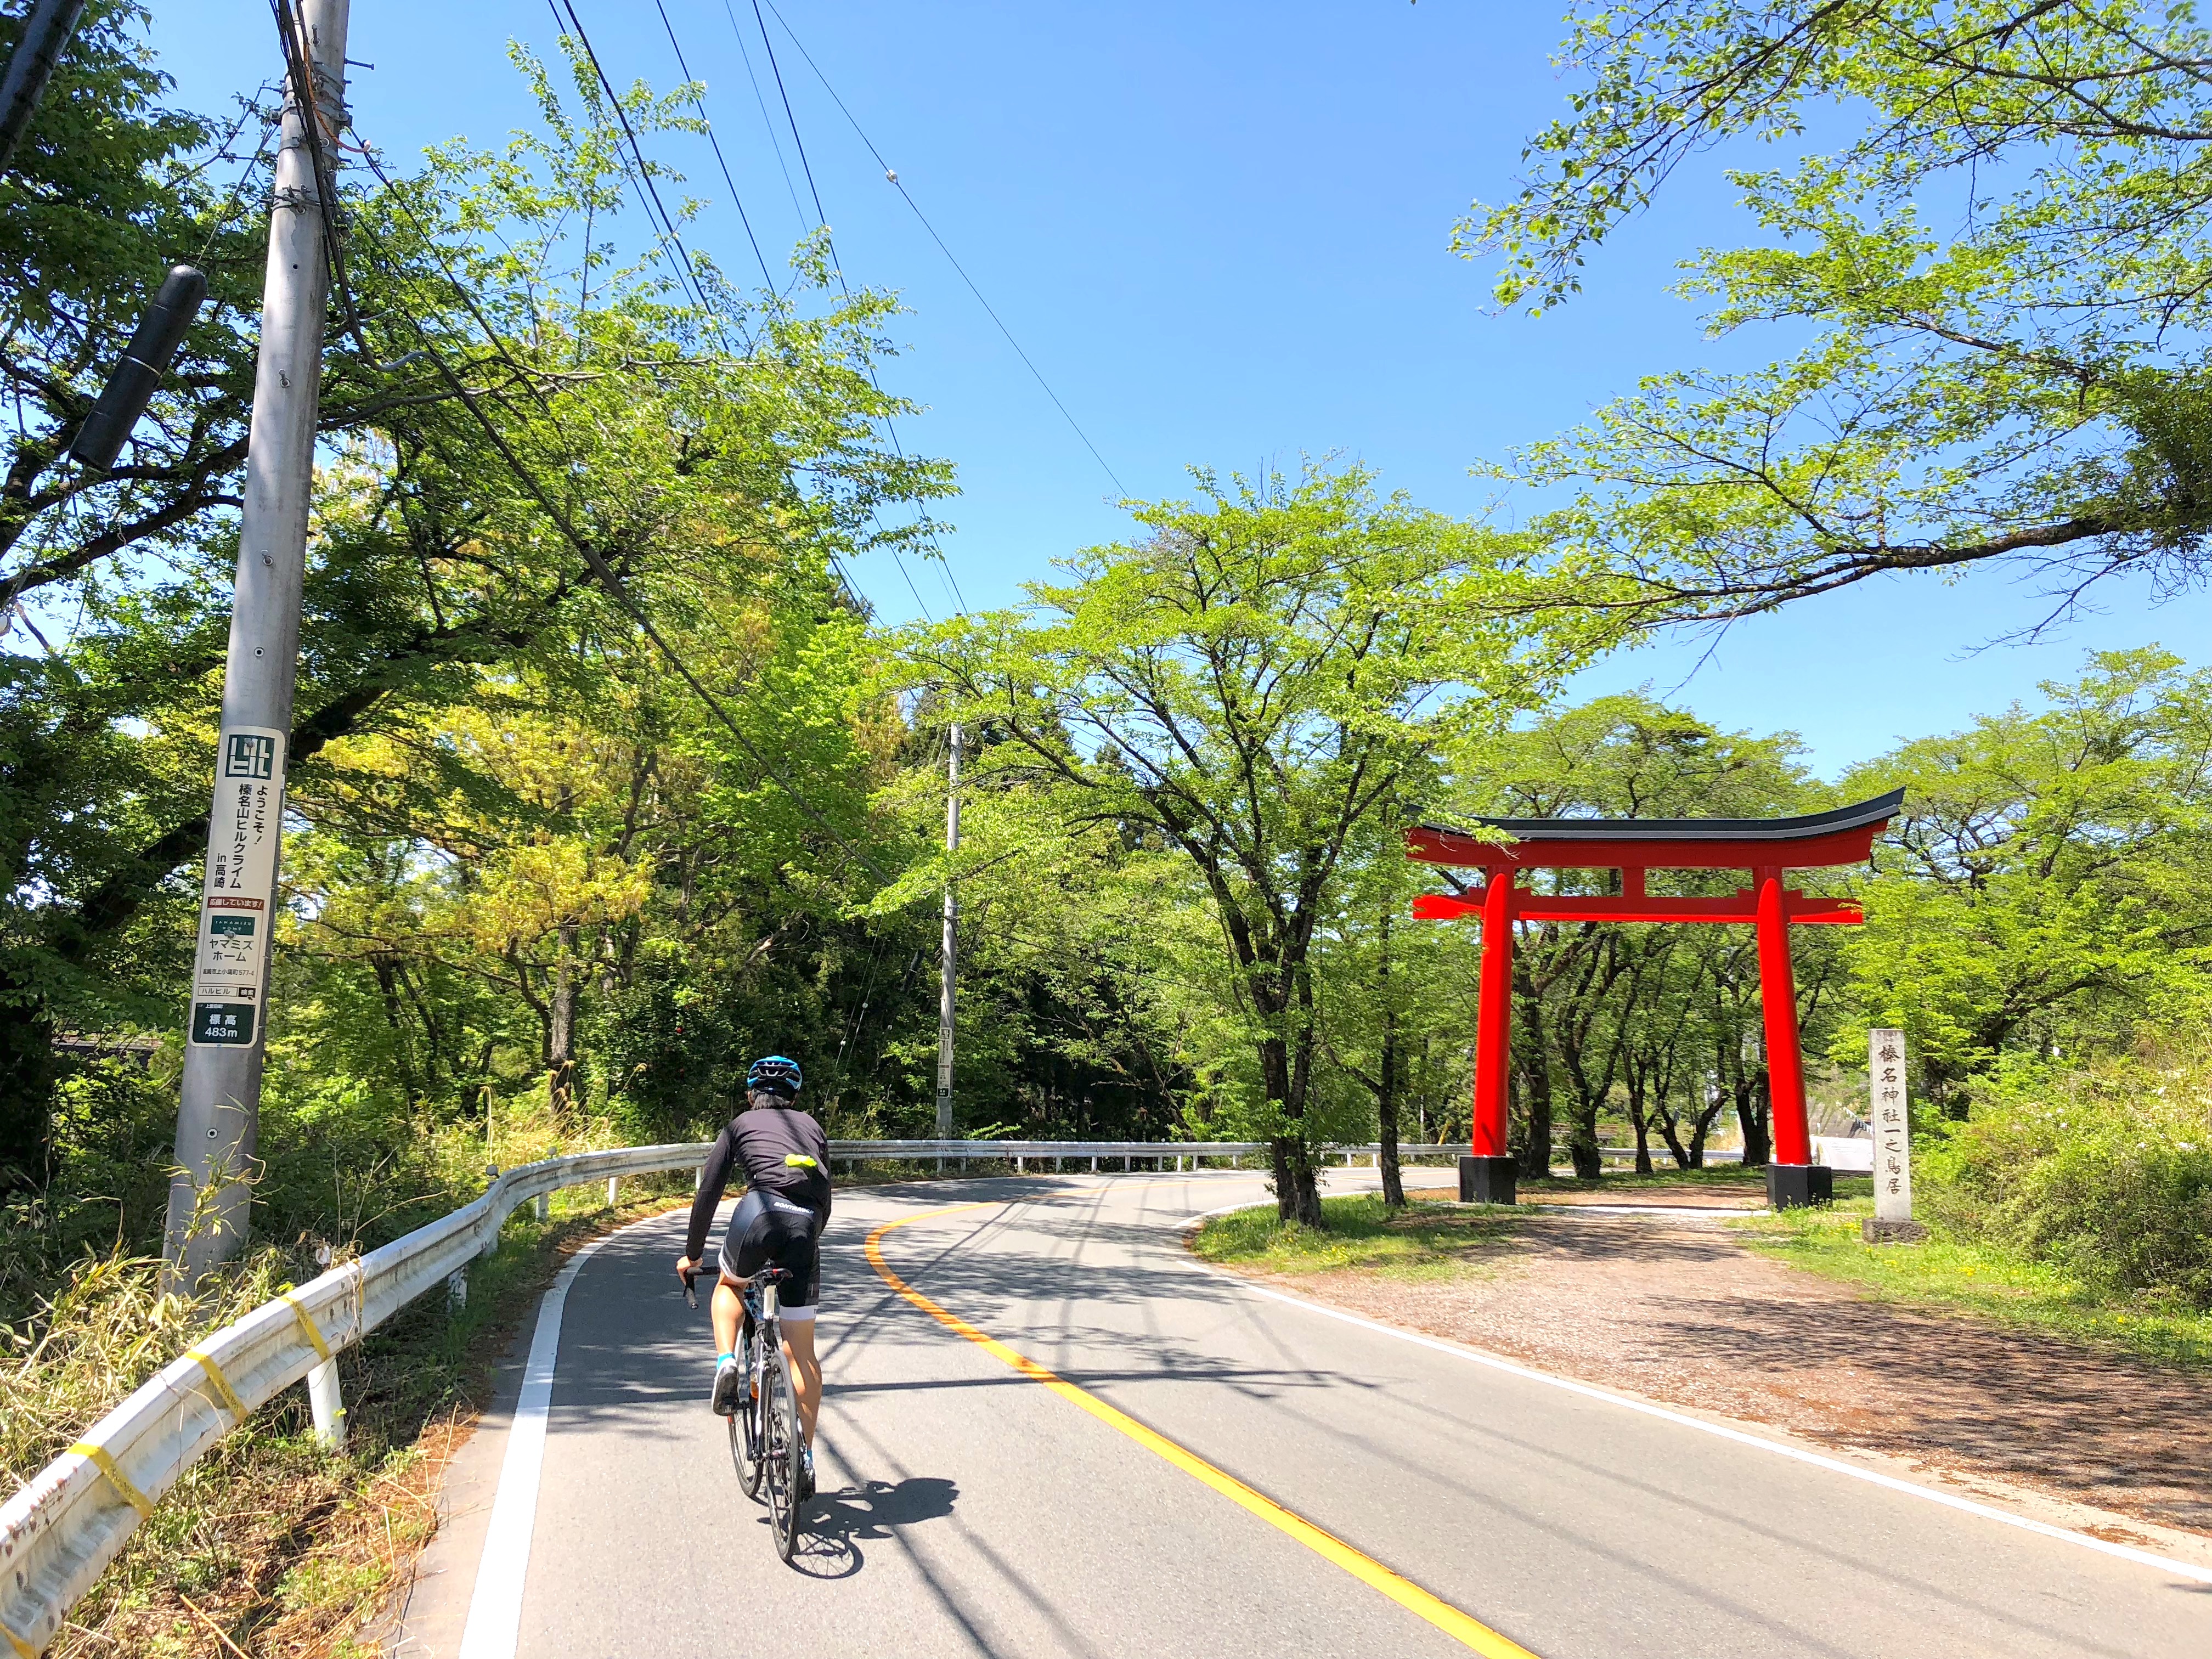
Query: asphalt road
[969, 1508]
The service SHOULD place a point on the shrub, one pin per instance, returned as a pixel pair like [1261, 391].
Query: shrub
[2104, 1169]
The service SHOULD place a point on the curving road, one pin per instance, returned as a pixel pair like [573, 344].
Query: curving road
[1201, 1469]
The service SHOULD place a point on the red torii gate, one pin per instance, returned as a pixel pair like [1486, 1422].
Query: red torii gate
[1765, 846]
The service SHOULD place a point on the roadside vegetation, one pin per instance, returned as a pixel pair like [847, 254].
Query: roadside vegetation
[275, 1544]
[2076, 1199]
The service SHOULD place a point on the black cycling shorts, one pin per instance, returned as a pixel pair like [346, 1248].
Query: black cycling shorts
[767, 1230]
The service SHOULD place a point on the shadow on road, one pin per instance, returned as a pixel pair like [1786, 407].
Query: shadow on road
[836, 1522]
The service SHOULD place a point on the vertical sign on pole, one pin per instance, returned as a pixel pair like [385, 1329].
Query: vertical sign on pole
[1892, 1221]
[230, 970]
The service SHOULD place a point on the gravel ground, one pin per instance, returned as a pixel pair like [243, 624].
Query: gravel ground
[1672, 1308]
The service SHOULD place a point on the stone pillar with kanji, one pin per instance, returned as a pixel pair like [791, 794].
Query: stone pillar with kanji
[1891, 1222]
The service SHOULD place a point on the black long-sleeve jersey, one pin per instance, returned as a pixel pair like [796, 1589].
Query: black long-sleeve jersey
[777, 1149]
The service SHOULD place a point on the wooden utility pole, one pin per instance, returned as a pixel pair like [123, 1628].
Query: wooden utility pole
[218, 1114]
[945, 964]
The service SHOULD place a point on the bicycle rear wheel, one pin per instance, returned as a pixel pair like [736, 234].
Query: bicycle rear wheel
[780, 1454]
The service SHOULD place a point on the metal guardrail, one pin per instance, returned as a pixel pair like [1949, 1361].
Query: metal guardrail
[62, 1529]
[1660, 1156]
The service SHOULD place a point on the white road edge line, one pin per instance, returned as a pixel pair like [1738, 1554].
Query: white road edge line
[1875, 1477]
[495, 1604]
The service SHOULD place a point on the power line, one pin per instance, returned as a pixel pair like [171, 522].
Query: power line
[821, 218]
[644, 179]
[736, 200]
[768, 122]
[687, 278]
[891, 174]
[799, 145]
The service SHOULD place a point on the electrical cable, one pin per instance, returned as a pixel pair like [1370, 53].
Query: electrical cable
[673, 237]
[688, 276]
[799, 145]
[307, 96]
[821, 218]
[736, 200]
[891, 431]
[891, 175]
[768, 122]
[222, 220]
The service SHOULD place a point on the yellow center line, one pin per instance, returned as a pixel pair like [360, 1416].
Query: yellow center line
[1406, 1594]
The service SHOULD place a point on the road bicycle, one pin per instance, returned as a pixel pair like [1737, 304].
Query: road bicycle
[766, 1447]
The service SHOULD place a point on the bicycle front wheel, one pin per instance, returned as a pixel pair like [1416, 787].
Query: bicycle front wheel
[780, 1454]
[745, 1426]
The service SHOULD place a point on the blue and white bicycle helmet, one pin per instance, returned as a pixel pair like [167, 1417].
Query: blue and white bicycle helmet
[775, 1072]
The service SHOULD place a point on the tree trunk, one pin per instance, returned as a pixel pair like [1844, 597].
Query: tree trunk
[1751, 1111]
[386, 967]
[1386, 1117]
[1638, 1122]
[560, 1030]
[1386, 1096]
[1533, 1063]
[1582, 1142]
[27, 1071]
[1298, 1193]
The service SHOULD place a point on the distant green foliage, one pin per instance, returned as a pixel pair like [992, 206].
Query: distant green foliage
[2048, 890]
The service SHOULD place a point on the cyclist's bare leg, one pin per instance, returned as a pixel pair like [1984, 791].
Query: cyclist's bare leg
[805, 1372]
[729, 1309]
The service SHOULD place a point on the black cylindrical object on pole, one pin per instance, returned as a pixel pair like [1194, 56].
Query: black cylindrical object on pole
[160, 332]
[46, 31]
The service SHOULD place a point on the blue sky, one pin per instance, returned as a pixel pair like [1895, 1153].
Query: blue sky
[1221, 232]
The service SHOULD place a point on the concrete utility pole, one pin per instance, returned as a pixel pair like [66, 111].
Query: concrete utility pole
[219, 1114]
[944, 958]
[46, 30]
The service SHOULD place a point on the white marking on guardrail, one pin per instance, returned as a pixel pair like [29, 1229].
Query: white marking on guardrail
[495, 1605]
[1875, 1477]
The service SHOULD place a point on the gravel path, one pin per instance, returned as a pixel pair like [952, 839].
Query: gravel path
[1674, 1309]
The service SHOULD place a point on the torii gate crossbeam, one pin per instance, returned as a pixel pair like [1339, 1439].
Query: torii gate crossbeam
[1768, 848]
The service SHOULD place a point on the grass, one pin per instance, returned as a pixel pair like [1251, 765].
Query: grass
[1947, 1272]
[1421, 1241]
[274, 1544]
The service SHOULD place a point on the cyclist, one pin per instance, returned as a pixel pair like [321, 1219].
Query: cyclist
[785, 1160]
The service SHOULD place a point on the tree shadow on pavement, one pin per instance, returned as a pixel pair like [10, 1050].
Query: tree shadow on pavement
[836, 1522]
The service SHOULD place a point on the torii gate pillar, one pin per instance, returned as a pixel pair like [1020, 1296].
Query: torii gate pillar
[1768, 848]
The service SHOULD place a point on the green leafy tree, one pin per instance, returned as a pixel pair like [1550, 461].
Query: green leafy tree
[505, 396]
[2044, 894]
[1252, 685]
[1998, 268]
[1395, 996]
